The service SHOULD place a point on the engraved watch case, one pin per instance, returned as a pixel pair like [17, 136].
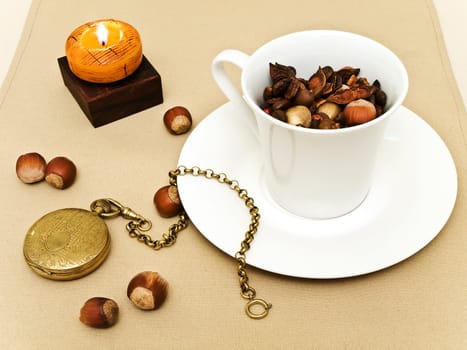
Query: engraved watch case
[66, 244]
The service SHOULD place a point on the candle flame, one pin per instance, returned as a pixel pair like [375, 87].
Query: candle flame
[102, 34]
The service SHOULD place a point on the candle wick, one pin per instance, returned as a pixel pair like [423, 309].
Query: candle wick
[103, 43]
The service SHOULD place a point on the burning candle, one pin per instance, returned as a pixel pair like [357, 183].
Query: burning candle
[104, 51]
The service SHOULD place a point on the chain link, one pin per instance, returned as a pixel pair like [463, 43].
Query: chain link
[167, 240]
[246, 290]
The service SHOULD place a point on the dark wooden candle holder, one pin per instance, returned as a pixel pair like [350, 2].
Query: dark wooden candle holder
[108, 102]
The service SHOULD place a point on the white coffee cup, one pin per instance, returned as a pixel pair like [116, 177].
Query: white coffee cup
[315, 173]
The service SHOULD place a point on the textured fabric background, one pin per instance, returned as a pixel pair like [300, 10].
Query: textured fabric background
[417, 304]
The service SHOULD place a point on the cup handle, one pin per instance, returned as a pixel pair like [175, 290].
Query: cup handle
[239, 59]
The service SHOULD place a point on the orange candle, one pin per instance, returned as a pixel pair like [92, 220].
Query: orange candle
[104, 51]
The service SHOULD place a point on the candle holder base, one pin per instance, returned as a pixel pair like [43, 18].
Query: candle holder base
[108, 102]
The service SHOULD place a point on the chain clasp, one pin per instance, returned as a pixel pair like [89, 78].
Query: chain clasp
[109, 208]
[265, 306]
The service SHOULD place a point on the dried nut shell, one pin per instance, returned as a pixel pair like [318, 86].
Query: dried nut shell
[299, 116]
[365, 91]
[347, 71]
[343, 96]
[278, 102]
[99, 312]
[328, 124]
[336, 82]
[379, 110]
[278, 72]
[280, 87]
[328, 71]
[362, 81]
[380, 98]
[317, 82]
[293, 88]
[147, 290]
[359, 112]
[280, 115]
[352, 80]
[30, 167]
[267, 93]
[304, 97]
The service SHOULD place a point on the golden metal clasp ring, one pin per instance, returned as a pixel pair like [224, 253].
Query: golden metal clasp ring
[106, 207]
[262, 303]
[129, 214]
[111, 208]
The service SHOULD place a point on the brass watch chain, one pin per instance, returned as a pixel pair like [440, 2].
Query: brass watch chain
[138, 225]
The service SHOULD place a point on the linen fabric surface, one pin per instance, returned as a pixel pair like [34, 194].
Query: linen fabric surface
[419, 303]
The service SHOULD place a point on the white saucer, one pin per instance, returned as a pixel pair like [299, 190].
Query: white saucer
[412, 198]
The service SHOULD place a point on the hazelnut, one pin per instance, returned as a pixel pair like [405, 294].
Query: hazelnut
[299, 116]
[30, 167]
[177, 120]
[330, 109]
[99, 312]
[60, 172]
[167, 201]
[359, 111]
[147, 290]
[304, 97]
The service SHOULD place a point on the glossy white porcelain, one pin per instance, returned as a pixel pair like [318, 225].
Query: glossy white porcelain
[315, 173]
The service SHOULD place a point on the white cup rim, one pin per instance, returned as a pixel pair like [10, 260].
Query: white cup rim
[394, 106]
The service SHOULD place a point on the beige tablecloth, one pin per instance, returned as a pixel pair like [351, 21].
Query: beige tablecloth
[419, 303]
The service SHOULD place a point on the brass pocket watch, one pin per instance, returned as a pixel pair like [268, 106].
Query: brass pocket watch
[70, 243]
[66, 244]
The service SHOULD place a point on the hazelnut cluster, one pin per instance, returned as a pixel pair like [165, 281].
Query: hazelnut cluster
[60, 172]
[329, 99]
[147, 291]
